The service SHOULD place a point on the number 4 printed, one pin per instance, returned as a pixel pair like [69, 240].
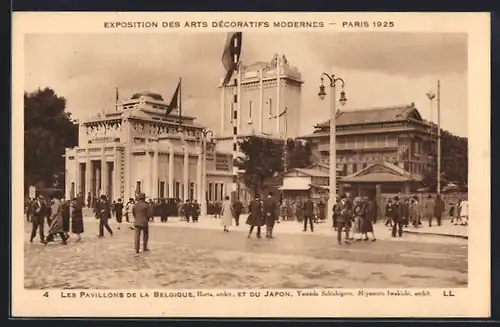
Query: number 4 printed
[46, 294]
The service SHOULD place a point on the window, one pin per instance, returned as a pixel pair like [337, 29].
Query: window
[210, 193]
[344, 170]
[138, 187]
[162, 189]
[250, 110]
[365, 164]
[216, 191]
[221, 191]
[354, 168]
[177, 191]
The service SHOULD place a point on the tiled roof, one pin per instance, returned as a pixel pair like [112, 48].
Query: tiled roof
[364, 116]
[376, 177]
[312, 172]
[392, 173]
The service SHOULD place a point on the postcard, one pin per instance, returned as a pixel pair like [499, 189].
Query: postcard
[250, 164]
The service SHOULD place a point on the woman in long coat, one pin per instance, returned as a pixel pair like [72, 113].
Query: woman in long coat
[77, 218]
[56, 226]
[65, 216]
[226, 214]
[370, 218]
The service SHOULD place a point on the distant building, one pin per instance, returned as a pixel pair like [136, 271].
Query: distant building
[135, 148]
[395, 135]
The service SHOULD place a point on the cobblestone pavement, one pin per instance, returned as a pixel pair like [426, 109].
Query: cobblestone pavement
[196, 256]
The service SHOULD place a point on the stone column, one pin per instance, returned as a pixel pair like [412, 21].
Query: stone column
[88, 174]
[154, 194]
[117, 187]
[67, 180]
[98, 184]
[171, 171]
[104, 173]
[128, 192]
[185, 173]
[199, 177]
[77, 173]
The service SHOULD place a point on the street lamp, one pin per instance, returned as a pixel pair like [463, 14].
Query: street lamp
[206, 143]
[333, 148]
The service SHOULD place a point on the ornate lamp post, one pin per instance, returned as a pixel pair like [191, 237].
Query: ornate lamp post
[333, 147]
[207, 143]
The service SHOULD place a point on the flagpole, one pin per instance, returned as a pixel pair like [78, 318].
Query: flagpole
[116, 99]
[439, 137]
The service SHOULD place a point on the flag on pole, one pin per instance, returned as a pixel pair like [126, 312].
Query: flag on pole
[231, 54]
[174, 103]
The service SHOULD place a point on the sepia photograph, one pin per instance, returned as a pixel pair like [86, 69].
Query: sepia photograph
[291, 162]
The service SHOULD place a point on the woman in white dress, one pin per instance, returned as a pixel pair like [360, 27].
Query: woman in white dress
[226, 214]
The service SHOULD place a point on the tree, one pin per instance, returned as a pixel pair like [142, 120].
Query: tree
[264, 159]
[48, 130]
[454, 162]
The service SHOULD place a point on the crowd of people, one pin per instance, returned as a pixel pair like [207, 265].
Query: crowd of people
[349, 215]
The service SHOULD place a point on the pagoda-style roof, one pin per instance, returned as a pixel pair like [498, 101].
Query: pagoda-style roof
[374, 115]
[383, 172]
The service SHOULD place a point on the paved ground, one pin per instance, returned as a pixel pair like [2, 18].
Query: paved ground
[202, 256]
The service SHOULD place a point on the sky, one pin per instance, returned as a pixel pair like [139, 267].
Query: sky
[380, 69]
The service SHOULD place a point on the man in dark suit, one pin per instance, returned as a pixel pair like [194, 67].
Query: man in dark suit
[269, 209]
[341, 211]
[308, 210]
[255, 216]
[38, 218]
[397, 218]
[142, 212]
[194, 210]
[237, 208]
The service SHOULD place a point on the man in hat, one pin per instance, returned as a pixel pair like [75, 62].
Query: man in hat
[141, 212]
[341, 212]
[255, 216]
[269, 208]
[38, 218]
[103, 212]
[308, 210]
[397, 219]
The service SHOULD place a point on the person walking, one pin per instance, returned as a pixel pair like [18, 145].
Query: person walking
[77, 218]
[103, 211]
[255, 216]
[341, 211]
[439, 208]
[163, 210]
[429, 207]
[308, 210]
[226, 214]
[269, 211]
[389, 212]
[38, 218]
[66, 219]
[119, 212]
[56, 226]
[405, 211]
[237, 209]
[186, 210]
[370, 218]
[359, 212]
[397, 218]
[195, 211]
[142, 213]
[129, 217]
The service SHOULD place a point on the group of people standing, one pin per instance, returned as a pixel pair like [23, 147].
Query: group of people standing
[60, 215]
[360, 215]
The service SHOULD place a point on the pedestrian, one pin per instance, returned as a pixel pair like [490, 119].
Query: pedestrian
[77, 218]
[128, 212]
[389, 212]
[322, 211]
[359, 212]
[28, 207]
[142, 213]
[237, 209]
[113, 209]
[226, 213]
[464, 212]
[269, 212]
[163, 211]
[151, 210]
[255, 216]
[194, 210]
[429, 207]
[405, 211]
[334, 215]
[103, 210]
[119, 212]
[38, 218]
[65, 213]
[370, 218]
[186, 209]
[308, 210]
[415, 211]
[56, 226]
[439, 208]
[89, 200]
[341, 211]
[397, 221]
